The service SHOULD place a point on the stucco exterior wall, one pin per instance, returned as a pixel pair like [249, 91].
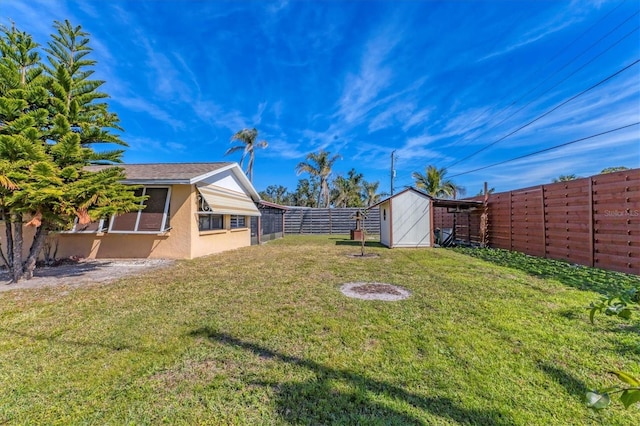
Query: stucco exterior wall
[411, 220]
[27, 231]
[210, 242]
[182, 241]
[174, 244]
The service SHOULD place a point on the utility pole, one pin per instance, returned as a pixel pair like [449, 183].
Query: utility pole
[393, 170]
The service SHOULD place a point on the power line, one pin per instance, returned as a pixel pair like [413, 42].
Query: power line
[559, 82]
[547, 112]
[557, 54]
[576, 57]
[582, 34]
[545, 150]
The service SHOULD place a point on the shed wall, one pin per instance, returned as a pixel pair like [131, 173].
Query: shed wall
[411, 220]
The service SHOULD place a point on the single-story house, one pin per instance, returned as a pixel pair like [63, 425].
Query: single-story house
[406, 218]
[192, 210]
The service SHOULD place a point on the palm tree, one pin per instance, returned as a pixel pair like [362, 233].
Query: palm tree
[370, 193]
[319, 165]
[347, 191]
[489, 191]
[306, 194]
[433, 182]
[247, 144]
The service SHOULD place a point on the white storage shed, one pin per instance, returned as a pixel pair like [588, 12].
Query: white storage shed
[406, 219]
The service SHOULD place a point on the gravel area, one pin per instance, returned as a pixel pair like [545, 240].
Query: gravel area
[374, 291]
[83, 272]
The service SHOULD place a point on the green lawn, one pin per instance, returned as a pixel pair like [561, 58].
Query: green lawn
[262, 335]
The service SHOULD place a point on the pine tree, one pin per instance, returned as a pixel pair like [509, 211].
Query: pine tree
[50, 119]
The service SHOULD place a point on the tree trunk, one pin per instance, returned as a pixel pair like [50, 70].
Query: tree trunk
[17, 268]
[36, 247]
[7, 228]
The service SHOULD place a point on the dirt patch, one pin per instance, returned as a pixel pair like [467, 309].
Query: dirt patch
[376, 288]
[83, 272]
[375, 291]
[366, 255]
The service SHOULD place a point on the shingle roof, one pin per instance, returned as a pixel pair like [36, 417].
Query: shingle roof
[175, 172]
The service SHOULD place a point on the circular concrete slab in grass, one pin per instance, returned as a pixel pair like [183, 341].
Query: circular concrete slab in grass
[374, 291]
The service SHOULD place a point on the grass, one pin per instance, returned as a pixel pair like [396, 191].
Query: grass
[262, 335]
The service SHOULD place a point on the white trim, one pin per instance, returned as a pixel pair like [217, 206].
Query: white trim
[101, 228]
[213, 173]
[233, 167]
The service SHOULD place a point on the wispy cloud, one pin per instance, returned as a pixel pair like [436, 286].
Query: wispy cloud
[553, 25]
[396, 113]
[417, 118]
[28, 17]
[149, 145]
[374, 75]
[138, 104]
[257, 117]
[280, 148]
[216, 115]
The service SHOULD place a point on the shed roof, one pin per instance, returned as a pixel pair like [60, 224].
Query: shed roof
[457, 204]
[273, 205]
[437, 202]
[400, 193]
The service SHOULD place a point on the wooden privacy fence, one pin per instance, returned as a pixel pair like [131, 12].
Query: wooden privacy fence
[328, 221]
[466, 224]
[593, 221]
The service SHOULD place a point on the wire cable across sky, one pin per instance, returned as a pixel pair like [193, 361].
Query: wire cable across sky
[551, 148]
[620, 71]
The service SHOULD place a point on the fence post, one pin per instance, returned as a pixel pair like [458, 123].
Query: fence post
[510, 220]
[544, 223]
[591, 227]
[330, 228]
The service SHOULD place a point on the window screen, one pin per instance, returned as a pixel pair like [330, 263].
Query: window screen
[238, 221]
[153, 218]
[207, 222]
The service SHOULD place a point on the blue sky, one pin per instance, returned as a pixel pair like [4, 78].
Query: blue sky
[436, 81]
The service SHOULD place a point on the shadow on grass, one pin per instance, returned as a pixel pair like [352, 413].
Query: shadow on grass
[576, 276]
[116, 347]
[575, 387]
[318, 401]
[359, 243]
[629, 341]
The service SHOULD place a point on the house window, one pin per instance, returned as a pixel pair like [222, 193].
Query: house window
[208, 222]
[384, 214]
[153, 218]
[238, 221]
[91, 227]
